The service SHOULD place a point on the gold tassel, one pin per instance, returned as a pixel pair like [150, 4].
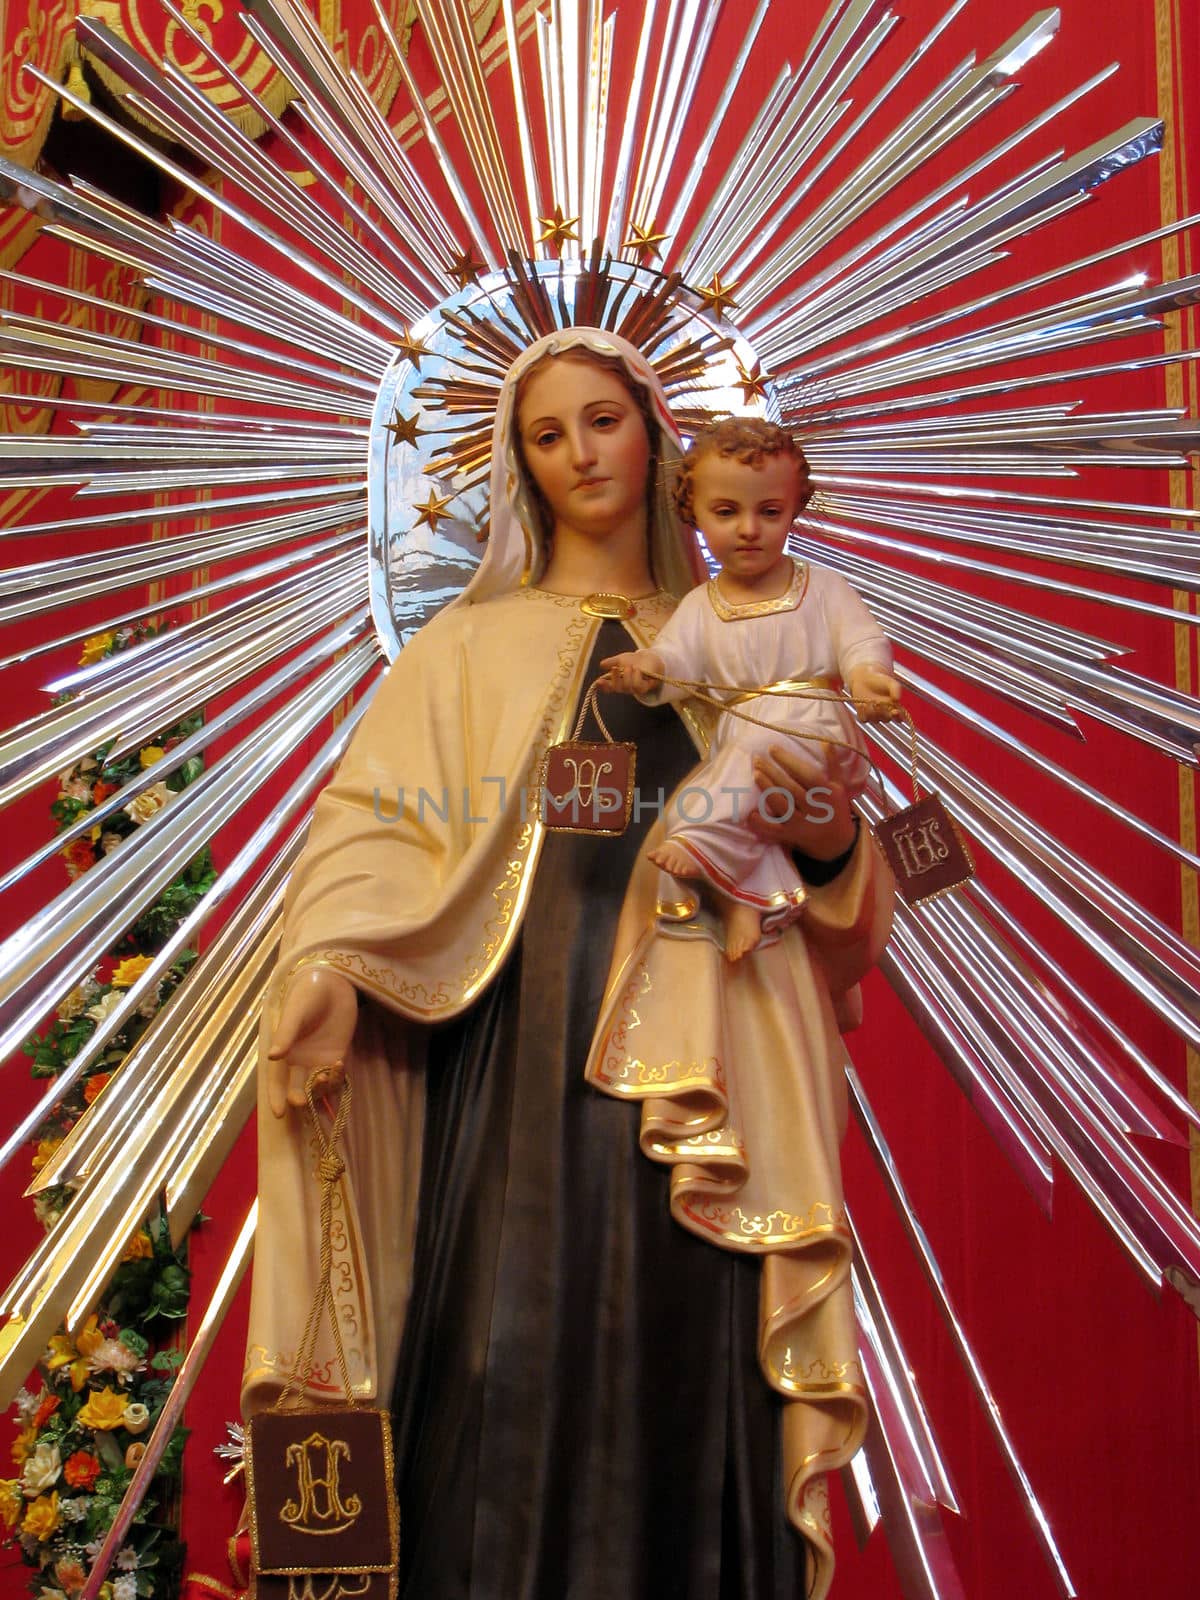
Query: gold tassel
[78, 86]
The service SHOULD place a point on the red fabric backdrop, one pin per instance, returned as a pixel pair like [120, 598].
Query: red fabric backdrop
[1098, 1379]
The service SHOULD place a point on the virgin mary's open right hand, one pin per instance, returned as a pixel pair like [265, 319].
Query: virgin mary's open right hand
[313, 1034]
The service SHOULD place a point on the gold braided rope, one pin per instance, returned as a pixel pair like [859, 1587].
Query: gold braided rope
[795, 689]
[330, 1168]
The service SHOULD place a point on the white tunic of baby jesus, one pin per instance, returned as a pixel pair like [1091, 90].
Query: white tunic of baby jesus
[819, 629]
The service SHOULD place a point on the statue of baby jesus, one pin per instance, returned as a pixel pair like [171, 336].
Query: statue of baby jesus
[776, 634]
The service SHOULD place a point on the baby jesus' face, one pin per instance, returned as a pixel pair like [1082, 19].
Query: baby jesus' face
[746, 513]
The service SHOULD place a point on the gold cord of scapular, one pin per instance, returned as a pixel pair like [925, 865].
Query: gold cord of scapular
[796, 690]
[330, 1168]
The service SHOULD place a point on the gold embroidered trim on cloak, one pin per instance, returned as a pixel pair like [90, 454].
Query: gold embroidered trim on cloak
[511, 893]
[824, 1377]
[377, 981]
[573, 657]
[787, 601]
[622, 1073]
[769, 1231]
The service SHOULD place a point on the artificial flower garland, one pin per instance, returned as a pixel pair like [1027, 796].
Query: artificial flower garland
[81, 1431]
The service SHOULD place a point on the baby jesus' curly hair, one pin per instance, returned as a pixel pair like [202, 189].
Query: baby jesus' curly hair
[750, 440]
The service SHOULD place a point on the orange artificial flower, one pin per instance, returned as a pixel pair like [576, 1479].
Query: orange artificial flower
[71, 1575]
[79, 856]
[81, 1470]
[101, 791]
[93, 1086]
[105, 1410]
[50, 1404]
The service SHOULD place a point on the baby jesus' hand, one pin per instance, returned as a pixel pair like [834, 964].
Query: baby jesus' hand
[632, 672]
[876, 694]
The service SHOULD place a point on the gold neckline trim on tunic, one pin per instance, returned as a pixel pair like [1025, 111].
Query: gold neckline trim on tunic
[606, 604]
[787, 601]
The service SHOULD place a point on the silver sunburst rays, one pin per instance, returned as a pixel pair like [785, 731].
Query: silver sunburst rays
[340, 403]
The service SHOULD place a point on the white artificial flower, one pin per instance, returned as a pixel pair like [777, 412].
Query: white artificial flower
[26, 1404]
[73, 1509]
[125, 1587]
[137, 1417]
[149, 1006]
[50, 1594]
[106, 1005]
[149, 802]
[109, 842]
[42, 1469]
[75, 788]
[73, 1004]
[127, 1558]
[110, 1355]
[47, 1208]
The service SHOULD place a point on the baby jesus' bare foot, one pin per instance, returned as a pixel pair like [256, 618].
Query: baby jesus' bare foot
[675, 859]
[743, 925]
[743, 928]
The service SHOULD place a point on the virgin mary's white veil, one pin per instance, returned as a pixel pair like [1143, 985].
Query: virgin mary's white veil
[513, 554]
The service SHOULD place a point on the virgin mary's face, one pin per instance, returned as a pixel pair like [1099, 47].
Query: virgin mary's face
[585, 444]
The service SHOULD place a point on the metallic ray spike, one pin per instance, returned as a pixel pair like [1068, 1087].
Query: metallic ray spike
[889, 1170]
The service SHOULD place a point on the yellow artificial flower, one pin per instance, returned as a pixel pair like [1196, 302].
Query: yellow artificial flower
[95, 646]
[127, 972]
[151, 754]
[73, 1353]
[42, 1518]
[45, 1149]
[11, 1502]
[139, 1248]
[90, 1338]
[23, 1444]
[105, 1410]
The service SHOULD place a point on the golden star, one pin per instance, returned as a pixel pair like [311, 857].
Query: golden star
[718, 296]
[645, 241]
[559, 229]
[412, 348]
[432, 510]
[753, 383]
[465, 268]
[403, 429]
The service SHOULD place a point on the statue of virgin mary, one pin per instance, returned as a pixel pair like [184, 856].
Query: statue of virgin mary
[618, 1337]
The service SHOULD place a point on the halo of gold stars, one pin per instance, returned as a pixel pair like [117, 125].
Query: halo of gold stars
[465, 268]
[753, 384]
[645, 241]
[433, 510]
[718, 296]
[412, 348]
[560, 229]
[403, 430]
